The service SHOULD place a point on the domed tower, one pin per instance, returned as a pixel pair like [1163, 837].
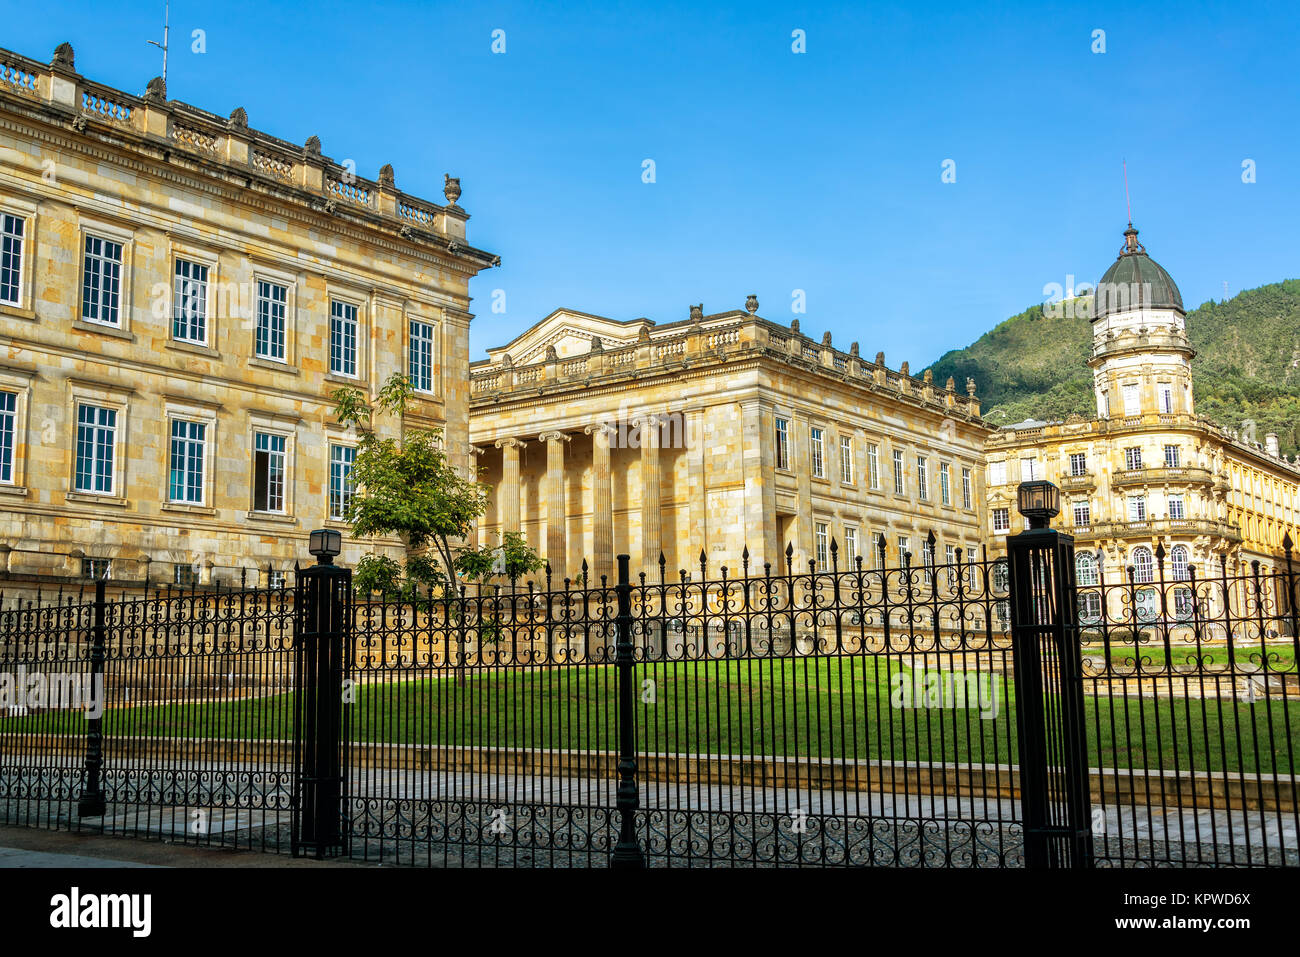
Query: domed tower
[1141, 359]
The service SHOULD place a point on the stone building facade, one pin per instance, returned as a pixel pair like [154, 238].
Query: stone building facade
[179, 296]
[718, 433]
[1148, 471]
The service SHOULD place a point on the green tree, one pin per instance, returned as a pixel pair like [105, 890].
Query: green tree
[406, 486]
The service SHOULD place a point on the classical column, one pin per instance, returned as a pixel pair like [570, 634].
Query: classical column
[602, 504]
[651, 496]
[555, 511]
[508, 490]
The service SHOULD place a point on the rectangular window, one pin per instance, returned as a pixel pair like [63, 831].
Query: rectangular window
[1132, 400]
[1078, 464]
[11, 258]
[421, 359]
[343, 338]
[94, 568]
[949, 555]
[965, 488]
[945, 484]
[272, 303]
[1082, 514]
[1001, 520]
[1133, 459]
[900, 486]
[8, 416]
[276, 578]
[903, 548]
[1029, 470]
[96, 444]
[1137, 508]
[922, 477]
[822, 545]
[873, 465]
[190, 302]
[1176, 507]
[101, 281]
[188, 440]
[268, 472]
[186, 575]
[846, 459]
[1171, 456]
[1166, 397]
[850, 543]
[997, 473]
[815, 443]
[341, 459]
[783, 443]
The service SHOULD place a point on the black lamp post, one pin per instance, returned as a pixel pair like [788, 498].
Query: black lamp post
[1039, 502]
[1054, 787]
[323, 602]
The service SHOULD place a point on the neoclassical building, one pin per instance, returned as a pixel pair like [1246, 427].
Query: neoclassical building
[1147, 470]
[179, 295]
[718, 433]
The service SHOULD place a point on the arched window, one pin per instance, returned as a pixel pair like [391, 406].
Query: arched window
[1085, 569]
[1143, 565]
[1180, 563]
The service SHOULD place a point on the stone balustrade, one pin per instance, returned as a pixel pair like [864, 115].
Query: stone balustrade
[228, 143]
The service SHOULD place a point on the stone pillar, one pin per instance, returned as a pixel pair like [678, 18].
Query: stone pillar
[555, 511]
[602, 505]
[508, 491]
[651, 496]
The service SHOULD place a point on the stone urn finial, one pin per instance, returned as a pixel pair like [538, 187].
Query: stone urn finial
[928, 377]
[794, 324]
[597, 345]
[952, 384]
[644, 334]
[387, 179]
[156, 91]
[905, 369]
[826, 338]
[312, 146]
[697, 312]
[853, 349]
[507, 362]
[751, 304]
[451, 188]
[64, 58]
[880, 359]
[970, 387]
[551, 354]
[238, 119]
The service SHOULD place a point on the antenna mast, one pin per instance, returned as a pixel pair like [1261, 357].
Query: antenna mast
[167, 16]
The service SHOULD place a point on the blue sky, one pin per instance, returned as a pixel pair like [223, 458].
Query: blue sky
[775, 171]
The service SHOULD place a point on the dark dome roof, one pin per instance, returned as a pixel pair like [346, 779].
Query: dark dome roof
[1134, 281]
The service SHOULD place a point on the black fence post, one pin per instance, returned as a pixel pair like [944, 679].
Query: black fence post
[322, 628]
[627, 853]
[1054, 785]
[92, 787]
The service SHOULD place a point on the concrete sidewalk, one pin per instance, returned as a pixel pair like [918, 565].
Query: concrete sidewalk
[22, 847]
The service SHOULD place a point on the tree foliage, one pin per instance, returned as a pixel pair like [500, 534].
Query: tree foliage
[406, 486]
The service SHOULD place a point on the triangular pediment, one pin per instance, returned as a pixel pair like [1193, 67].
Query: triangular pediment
[570, 333]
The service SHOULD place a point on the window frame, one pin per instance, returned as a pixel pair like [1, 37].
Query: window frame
[268, 486]
[781, 439]
[1133, 458]
[188, 440]
[900, 472]
[411, 322]
[358, 306]
[1003, 526]
[873, 466]
[208, 265]
[120, 311]
[94, 473]
[817, 451]
[204, 414]
[821, 544]
[344, 493]
[286, 428]
[24, 212]
[967, 487]
[945, 483]
[922, 478]
[846, 459]
[258, 282]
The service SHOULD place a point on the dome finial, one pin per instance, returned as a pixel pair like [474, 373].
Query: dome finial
[1131, 245]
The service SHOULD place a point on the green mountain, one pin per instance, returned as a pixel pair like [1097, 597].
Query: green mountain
[1247, 365]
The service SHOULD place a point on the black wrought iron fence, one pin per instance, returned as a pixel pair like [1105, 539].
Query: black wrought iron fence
[1194, 710]
[852, 715]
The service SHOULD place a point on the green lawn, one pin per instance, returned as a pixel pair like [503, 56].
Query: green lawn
[1245, 657]
[824, 706]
